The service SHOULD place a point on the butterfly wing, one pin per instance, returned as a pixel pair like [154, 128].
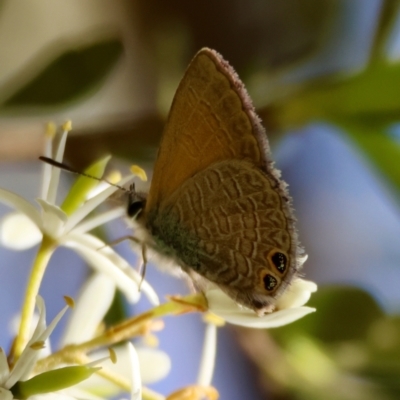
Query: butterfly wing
[211, 119]
[230, 225]
[216, 203]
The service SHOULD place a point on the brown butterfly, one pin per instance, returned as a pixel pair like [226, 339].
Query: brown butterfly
[217, 205]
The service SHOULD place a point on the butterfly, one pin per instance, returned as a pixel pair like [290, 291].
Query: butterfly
[216, 205]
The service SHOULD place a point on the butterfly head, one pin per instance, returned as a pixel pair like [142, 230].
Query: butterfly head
[136, 203]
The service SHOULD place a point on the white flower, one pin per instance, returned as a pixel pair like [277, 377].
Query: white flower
[136, 366]
[25, 363]
[67, 225]
[289, 307]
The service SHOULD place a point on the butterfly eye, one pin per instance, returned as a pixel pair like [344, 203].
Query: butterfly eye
[269, 282]
[135, 208]
[279, 260]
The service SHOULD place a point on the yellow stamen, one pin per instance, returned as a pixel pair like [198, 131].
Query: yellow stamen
[69, 301]
[67, 126]
[37, 345]
[114, 176]
[113, 355]
[194, 393]
[136, 170]
[51, 130]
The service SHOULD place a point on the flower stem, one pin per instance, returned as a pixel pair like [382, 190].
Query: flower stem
[127, 329]
[39, 266]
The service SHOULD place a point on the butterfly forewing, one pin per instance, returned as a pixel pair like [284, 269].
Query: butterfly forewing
[211, 119]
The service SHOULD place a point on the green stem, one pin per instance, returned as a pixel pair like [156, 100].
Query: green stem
[125, 330]
[39, 266]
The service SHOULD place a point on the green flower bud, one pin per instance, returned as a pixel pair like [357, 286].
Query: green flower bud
[52, 381]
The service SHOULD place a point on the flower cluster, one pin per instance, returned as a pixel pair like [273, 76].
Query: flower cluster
[33, 370]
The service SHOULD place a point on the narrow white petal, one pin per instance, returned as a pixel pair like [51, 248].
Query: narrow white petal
[19, 232]
[29, 356]
[273, 320]
[145, 287]
[82, 325]
[207, 363]
[222, 305]
[54, 219]
[102, 263]
[55, 396]
[157, 364]
[134, 372]
[41, 322]
[220, 302]
[91, 204]
[96, 244]
[154, 364]
[306, 285]
[21, 205]
[297, 294]
[100, 219]
[5, 394]
[4, 370]
[27, 359]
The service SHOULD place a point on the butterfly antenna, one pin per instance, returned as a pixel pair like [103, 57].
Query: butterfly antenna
[66, 167]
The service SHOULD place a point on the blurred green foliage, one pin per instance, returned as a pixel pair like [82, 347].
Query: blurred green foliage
[348, 350]
[69, 76]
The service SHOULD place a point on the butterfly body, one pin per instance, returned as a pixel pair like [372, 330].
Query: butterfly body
[216, 204]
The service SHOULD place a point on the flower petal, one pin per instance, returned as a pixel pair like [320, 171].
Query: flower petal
[297, 294]
[19, 232]
[223, 306]
[207, 363]
[4, 369]
[134, 372]
[99, 260]
[83, 325]
[54, 219]
[100, 219]
[25, 363]
[100, 247]
[21, 205]
[154, 364]
[127, 368]
[56, 396]
[5, 394]
[273, 320]
[92, 203]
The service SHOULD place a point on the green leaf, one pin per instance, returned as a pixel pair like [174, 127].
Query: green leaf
[52, 381]
[369, 96]
[343, 313]
[69, 76]
[83, 185]
[117, 311]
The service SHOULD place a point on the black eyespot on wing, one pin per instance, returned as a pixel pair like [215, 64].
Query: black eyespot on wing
[269, 282]
[280, 261]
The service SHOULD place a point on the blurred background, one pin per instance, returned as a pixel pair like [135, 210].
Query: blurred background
[324, 76]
